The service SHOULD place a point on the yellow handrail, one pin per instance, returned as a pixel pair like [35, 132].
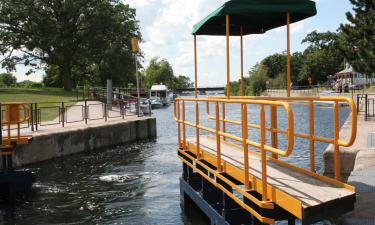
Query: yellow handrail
[13, 116]
[289, 131]
[262, 145]
[336, 141]
[349, 101]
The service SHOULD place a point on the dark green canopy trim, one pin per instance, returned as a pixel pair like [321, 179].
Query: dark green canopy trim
[255, 16]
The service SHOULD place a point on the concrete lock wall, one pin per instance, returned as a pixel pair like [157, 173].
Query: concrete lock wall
[70, 141]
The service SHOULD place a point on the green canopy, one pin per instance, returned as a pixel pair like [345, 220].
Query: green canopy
[255, 16]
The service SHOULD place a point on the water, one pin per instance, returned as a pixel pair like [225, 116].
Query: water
[132, 184]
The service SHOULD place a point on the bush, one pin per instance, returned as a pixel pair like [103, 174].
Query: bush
[30, 84]
[7, 79]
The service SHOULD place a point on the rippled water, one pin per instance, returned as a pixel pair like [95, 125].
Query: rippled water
[132, 184]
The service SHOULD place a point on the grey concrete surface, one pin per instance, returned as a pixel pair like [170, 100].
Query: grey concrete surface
[65, 141]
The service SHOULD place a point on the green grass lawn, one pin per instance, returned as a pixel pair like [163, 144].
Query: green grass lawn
[371, 89]
[45, 97]
[36, 95]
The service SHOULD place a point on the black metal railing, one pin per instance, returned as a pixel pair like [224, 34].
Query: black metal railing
[368, 101]
[62, 113]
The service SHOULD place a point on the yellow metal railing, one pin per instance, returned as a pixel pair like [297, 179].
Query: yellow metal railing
[219, 130]
[180, 117]
[14, 113]
[311, 102]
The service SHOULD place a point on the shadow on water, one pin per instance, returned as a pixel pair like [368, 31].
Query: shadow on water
[131, 184]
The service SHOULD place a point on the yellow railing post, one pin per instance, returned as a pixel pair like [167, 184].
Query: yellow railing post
[336, 136]
[227, 32]
[263, 152]
[224, 116]
[218, 146]
[9, 116]
[179, 124]
[197, 129]
[245, 146]
[183, 125]
[311, 137]
[274, 143]
[195, 68]
[241, 62]
[288, 53]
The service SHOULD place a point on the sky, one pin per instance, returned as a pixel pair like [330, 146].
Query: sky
[166, 28]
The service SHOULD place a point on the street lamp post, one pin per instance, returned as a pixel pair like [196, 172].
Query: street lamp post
[135, 50]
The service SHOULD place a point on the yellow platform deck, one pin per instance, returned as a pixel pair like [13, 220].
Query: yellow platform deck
[302, 193]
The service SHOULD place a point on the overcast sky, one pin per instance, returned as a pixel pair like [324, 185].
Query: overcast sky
[166, 28]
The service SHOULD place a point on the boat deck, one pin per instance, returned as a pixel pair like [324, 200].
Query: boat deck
[288, 187]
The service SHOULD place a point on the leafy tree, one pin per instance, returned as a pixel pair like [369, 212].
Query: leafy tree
[8, 79]
[296, 63]
[183, 82]
[70, 35]
[358, 36]
[159, 71]
[275, 64]
[321, 58]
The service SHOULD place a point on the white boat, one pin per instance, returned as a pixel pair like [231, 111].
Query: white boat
[156, 103]
[160, 91]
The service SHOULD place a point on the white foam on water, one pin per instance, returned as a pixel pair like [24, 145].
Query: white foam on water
[125, 177]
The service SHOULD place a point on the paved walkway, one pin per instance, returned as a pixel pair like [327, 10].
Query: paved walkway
[74, 119]
[363, 174]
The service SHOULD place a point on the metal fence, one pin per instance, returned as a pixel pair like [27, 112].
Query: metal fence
[62, 113]
[368, 100]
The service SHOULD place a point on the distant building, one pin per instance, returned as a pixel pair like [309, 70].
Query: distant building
[353, 77]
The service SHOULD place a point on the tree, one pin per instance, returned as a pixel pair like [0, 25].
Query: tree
[275, 64]
[358, 36]
[72, 36]
[321, 58]
[159, 71]
[183, 82]
[7, 79]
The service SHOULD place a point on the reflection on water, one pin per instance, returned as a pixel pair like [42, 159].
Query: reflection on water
[133, 184]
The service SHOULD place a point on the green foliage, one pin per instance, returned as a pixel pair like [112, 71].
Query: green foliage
[257, 82]
[7, 79]
[358, 36]
[276, 64]
[321, 58]
[183, 82]
[29, 84]
[160, 71]
[74, 39]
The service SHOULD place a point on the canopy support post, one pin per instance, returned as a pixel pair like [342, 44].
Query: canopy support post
[195, 68]
[288, 53]
[228, 60]
[242, 81]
